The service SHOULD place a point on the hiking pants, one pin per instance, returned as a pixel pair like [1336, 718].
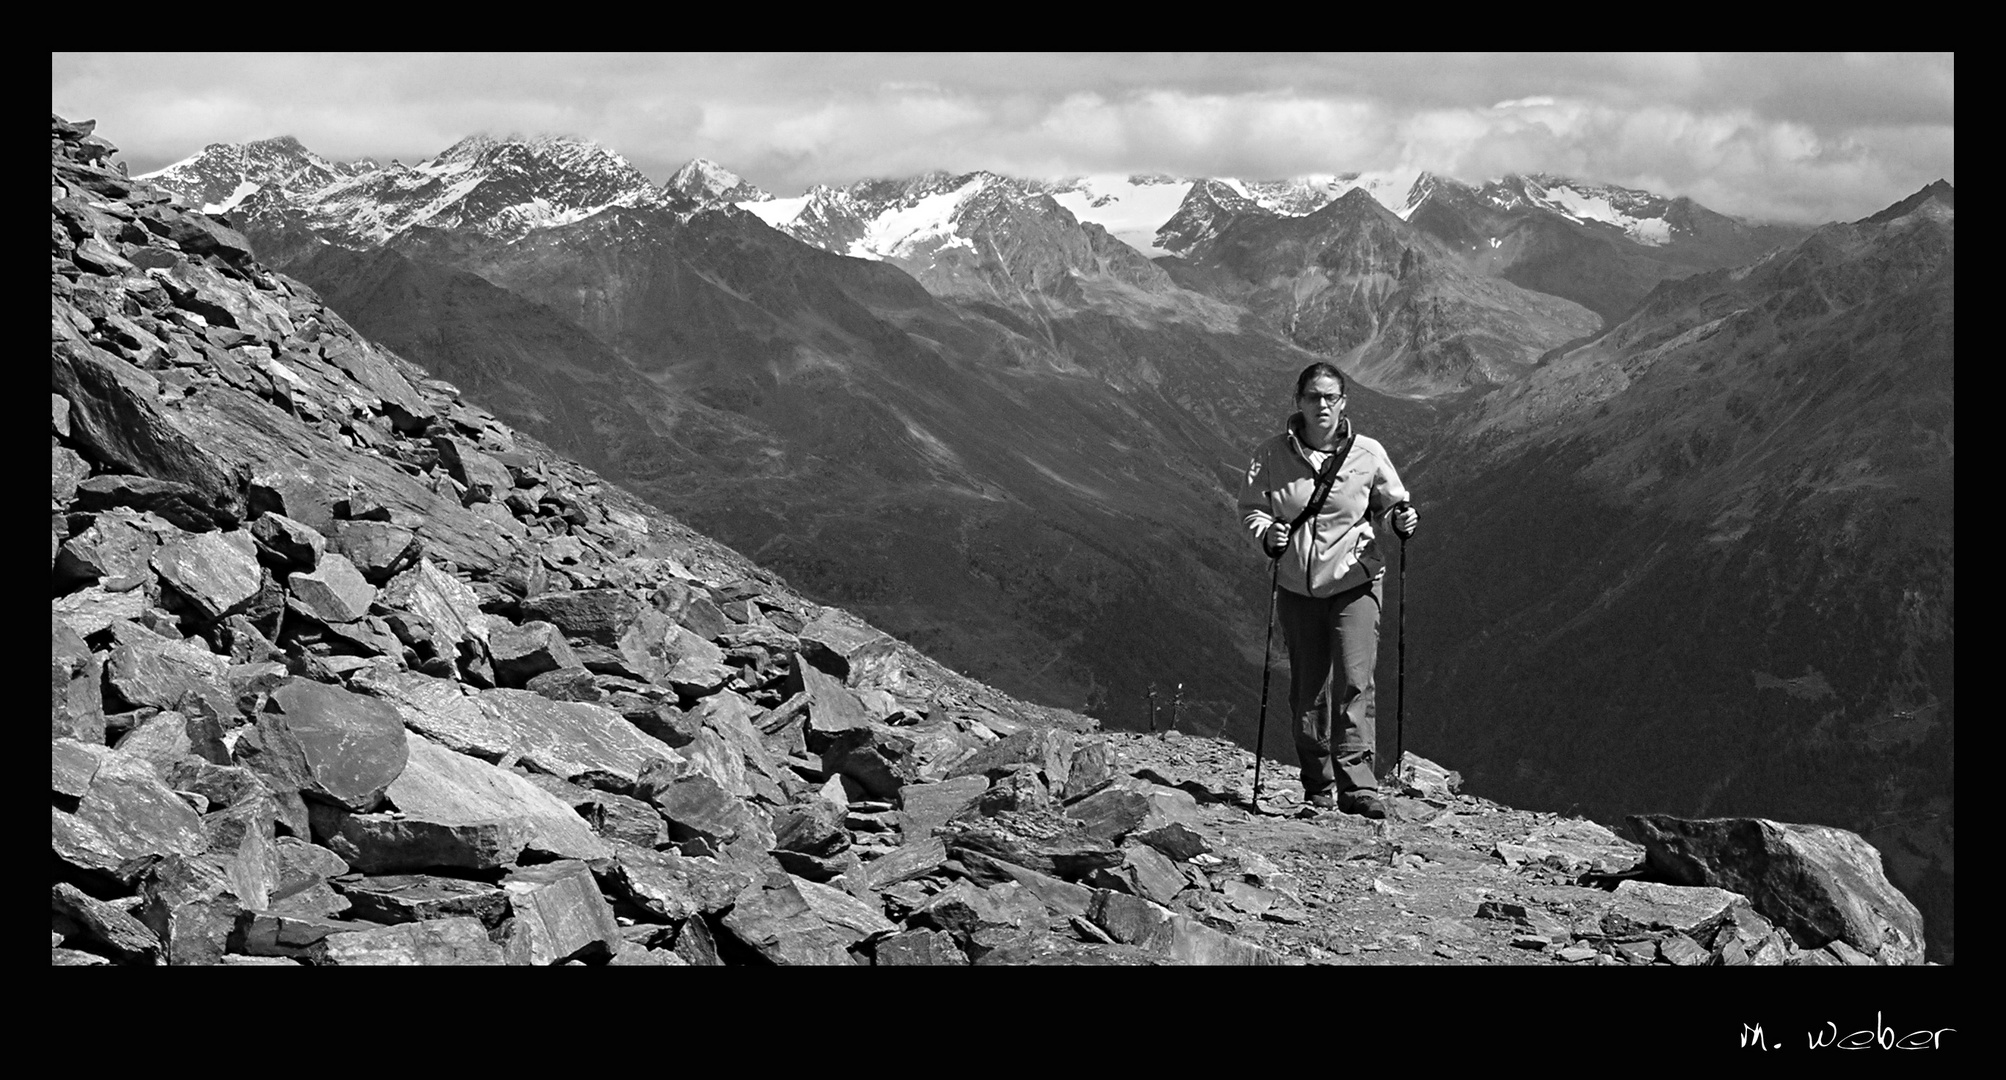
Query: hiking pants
[1333, 643]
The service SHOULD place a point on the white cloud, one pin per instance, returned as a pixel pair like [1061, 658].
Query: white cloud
[1798, 137]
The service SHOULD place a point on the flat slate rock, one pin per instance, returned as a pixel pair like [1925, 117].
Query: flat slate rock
[811, 828]
[1059, 896]
[620, 817]
[919, 948]
[832, 707]
[1164, 818]
[283, 933]
[147, 669]
[1061, 848]
[673, 886]
[302, 863]
[402, 898]
[390, 843]
[594, 615]
[559, 910]
[333, 591]
[295, 544]
[242, 841]
[189, 905]
[110, 926]
[442, 786]
[1419, 777]
[520, 653]
[1575, 846]
[1647, 907]
[88, 611]
[913, 859]
[115, 550]
[696, 808]
[585, 744]
[72, 764]
[1817, 882]
[353, 747]
[965, 908]
[216, 572]
[928, 805]
[775, 920]
[223, 785]
[879, 758]
[456, 942]
[1133, 920]
[856, 653]
[845, 913]
[1049, 749]
[1148, 873]
[430, 705]
[445, 604]
[125, 812]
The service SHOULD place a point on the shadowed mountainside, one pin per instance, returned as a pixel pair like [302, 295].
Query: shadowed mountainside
[1705, 562]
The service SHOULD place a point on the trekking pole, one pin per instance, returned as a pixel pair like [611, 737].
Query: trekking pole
[1267, 657]
[1400, 712]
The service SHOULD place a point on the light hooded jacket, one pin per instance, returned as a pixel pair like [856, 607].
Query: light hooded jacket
[1337, 549]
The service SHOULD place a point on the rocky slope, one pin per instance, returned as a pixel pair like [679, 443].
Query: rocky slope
[1729, 523]
[346, 671]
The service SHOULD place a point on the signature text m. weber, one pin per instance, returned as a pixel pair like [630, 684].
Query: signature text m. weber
[1881, 1036]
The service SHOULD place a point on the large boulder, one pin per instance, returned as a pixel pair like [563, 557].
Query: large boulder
[217, 573]
[328, 744]
[1819, 883]
[561, 914]
[116, 416]
[191, 908]
[673, 887]
[453, 789]
[440, 610]
[125, 812]
[334, 591]
[777, 922]
[852, 651]
[147, 669]
[115, 550]
[585, 744]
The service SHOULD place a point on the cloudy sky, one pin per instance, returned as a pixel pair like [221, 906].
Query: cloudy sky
[1797, 137]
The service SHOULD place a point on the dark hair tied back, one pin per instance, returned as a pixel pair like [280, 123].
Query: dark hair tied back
[1314, 371]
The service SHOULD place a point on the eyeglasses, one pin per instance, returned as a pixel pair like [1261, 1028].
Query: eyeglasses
[1323, 399]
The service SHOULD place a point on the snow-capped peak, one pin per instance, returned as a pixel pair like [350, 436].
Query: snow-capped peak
[1639, 214]
[500, 186]
[708, 182]
[224, 174]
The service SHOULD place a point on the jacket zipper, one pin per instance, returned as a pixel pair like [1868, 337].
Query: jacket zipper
[1309, 553]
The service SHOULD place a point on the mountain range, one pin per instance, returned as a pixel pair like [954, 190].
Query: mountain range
[1687, 481]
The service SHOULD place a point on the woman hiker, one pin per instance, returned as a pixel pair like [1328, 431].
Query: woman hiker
[1328, 575]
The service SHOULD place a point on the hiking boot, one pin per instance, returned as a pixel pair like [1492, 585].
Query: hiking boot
[1322, 800]
[1364, 802]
